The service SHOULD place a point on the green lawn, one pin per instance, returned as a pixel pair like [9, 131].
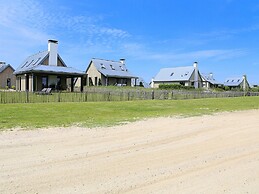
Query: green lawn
[92, 114]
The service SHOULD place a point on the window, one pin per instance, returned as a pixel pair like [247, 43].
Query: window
[30, 63]
[172, 74]
[37, 61]
[90, 82]
[112, 67]
[8, 84]
[122, 69]
[95, 81]
[238, 80]
[24, 64]
[44, 82]
[103, 66]
[58, 87]
[233, 80]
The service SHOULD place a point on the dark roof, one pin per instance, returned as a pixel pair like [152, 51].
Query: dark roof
[34, 63]
[175, 74]
[56, 70]
[4, 67]
[112, 68]
[209, 78]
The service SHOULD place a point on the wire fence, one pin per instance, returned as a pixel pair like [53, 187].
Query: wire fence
[108, 94]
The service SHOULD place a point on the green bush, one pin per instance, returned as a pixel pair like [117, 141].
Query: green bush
[256, 89]
[175, 87]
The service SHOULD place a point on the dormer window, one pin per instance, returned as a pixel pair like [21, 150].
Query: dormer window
[186, 73]
[112, 67]
[172, 74]
[238, 80]
[122, 69]
[233, 80]
[30, 63]
[103, 66]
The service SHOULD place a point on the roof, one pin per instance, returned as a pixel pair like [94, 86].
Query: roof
[34, 63]
[4, 66]
[209, 78]
[55, 69]
[112, 68]
[236, 81]
[175, 74]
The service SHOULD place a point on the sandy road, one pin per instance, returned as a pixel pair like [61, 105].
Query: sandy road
[208, 154]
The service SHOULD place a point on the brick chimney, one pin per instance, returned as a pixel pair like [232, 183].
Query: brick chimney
[53, 52]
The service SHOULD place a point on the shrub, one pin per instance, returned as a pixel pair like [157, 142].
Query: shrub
[175, 87]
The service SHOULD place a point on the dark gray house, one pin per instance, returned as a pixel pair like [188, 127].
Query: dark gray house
[46, 70]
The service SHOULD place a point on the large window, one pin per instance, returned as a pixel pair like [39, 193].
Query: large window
[8, 84]
[44, 82]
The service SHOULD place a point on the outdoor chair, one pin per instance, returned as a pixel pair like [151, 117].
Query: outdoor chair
[45, 91]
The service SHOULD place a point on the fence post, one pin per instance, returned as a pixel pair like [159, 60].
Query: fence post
[27, 96]
[85, 96]
[153, 95]
[128, 96]
[59, 96]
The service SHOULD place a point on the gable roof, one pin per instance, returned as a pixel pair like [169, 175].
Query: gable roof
[209, 78]
[4, 67]
[175, 74]
[234, 81]
[111, 68]
[34, 63]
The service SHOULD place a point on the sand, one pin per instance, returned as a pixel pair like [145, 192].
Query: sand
[207, 154]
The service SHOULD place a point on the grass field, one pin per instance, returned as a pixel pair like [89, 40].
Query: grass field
[93, 114]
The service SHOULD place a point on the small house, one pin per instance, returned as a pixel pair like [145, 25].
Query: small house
[101, 72]
[208, 81]
[46, 70]
[237, 83]
[7, 79]
[186, 76]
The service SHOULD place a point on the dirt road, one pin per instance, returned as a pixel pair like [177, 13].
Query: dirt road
[208, 154]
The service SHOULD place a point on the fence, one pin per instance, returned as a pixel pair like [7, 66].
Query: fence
[103, 94]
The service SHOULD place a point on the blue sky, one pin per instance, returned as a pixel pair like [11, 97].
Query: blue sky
[222, 35]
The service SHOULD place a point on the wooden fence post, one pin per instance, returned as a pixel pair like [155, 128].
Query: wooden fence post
[153, 95]
[27, 96]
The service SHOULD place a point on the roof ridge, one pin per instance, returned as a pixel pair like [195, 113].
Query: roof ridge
[106, 60]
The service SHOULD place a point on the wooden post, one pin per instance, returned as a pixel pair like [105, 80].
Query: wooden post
[72, 84]
[153, 95]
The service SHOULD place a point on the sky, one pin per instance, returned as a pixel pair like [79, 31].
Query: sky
[221, 35]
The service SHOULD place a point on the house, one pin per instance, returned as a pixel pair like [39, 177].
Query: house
[237, 83]
[102, 72]
[186, 76]
[7, 79]
[208, 81]
[46, 69]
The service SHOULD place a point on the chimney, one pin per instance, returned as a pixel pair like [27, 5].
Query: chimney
[122, 61]
[196, 79]
[53, 52]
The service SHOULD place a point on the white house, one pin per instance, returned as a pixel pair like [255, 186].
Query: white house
[186, 76]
